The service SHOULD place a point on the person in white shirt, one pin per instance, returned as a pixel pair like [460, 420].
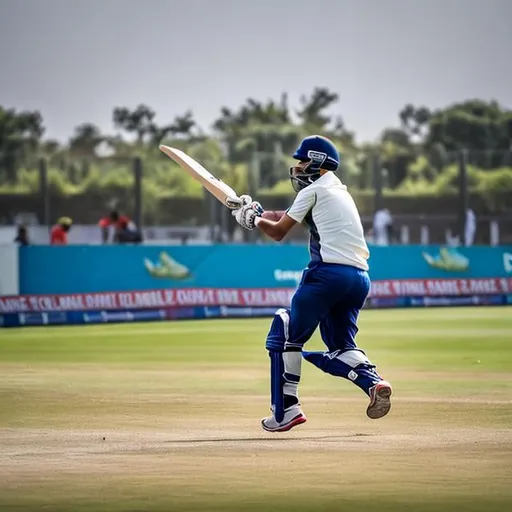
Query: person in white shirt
[332, 291]
[382, 225]
[469, 228]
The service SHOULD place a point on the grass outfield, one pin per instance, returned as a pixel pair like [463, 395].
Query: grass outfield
[165, 417]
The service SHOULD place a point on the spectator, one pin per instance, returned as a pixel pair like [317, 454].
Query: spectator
[59, 233]
[125, 231]
[469, 228]
[22, 236]
[382, 227]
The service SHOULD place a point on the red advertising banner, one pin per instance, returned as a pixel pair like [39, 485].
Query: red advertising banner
[251, 297]
[166, 298]
[440, 287]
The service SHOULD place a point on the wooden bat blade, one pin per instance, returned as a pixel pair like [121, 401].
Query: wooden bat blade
[222, 191]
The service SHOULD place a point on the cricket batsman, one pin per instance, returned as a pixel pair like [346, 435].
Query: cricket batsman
[332, 291]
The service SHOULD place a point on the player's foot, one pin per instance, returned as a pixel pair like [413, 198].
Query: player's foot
[292, 417]
[380, 402]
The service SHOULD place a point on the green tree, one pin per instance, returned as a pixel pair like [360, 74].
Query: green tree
[484, 128]
[232, 124]
[86, 139]
[396, 154]
[415, 119]
[50, 147]
[343, 137]
[138, 121]
[312, 113]
[183, 127]
[20, 134]
[259, 133]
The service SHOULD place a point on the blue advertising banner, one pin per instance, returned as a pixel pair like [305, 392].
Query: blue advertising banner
[94, 269]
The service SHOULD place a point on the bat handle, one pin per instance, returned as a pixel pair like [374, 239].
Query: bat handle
[234, 203]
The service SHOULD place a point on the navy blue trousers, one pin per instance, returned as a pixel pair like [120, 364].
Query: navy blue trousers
[330, 296]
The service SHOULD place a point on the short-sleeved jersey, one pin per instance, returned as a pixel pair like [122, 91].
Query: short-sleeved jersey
[58, 235]
[336, 232]
[121, 223]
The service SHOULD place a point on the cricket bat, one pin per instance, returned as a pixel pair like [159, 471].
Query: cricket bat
[220, 190]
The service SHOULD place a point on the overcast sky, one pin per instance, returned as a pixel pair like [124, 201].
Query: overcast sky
[75, 60]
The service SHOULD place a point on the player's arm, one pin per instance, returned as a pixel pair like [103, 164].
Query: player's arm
[275, 229]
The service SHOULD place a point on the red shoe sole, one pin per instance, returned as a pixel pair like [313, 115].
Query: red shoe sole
[298, 420]
[381, 403]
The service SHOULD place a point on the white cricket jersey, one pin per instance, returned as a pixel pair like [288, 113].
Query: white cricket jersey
[335, 230]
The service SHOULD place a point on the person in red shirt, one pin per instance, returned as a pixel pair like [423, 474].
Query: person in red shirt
[120, 223]
[59, 233]
[124, 229]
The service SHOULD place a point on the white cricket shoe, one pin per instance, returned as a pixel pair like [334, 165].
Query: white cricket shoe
[380, 402]
[292, 417]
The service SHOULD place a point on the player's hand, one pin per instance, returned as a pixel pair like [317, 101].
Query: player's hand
[256, 206]
[246, 199]
[246, 216]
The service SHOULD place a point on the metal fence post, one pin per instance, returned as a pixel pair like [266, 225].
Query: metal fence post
[463, 194]
[212, 208]
[377, 181]
[44, 192]
[137, 191]
[224, 223]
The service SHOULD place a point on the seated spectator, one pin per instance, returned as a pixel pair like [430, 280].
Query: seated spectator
[59, 233]
[125, 231]
[22, 236]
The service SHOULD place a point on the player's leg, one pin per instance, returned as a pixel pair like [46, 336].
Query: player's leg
[285, 372]
[344, 358]
[290, 329]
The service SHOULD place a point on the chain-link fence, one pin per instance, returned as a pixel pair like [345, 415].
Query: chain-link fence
[427, 193]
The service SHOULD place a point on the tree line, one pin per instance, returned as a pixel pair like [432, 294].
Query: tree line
[258, 137]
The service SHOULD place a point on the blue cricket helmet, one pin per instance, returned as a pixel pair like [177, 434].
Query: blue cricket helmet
[320, 153]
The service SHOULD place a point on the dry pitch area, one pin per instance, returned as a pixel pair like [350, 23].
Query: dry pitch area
[165, 416]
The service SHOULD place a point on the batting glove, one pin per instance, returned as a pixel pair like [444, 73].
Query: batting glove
[255, 205]
[246, 199]
[246, 216]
